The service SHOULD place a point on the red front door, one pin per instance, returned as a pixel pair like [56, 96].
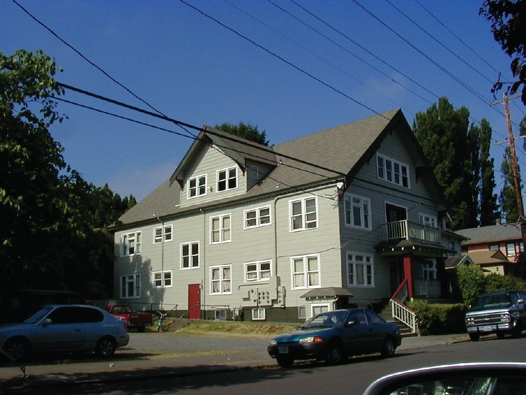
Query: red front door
[194, 301]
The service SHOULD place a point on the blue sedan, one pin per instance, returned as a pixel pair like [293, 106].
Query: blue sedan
[335, 335]
[64, 328]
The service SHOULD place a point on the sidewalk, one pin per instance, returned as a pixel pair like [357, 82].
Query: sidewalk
[123, 368]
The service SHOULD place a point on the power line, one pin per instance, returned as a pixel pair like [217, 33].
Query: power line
[281, 58]
[190, 126]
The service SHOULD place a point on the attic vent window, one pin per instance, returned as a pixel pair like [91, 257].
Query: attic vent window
[227, 179]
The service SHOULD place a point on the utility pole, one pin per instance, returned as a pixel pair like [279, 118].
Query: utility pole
[514, 165]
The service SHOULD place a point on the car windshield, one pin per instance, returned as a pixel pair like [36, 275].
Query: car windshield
[496, 300]
[326, 320]
[38, 315]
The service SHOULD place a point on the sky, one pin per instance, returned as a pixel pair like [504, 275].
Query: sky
[289, 67]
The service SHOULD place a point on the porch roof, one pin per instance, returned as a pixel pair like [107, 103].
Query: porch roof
[404, 247]
[326, 292]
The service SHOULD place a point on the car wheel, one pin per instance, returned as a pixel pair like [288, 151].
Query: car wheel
[106, 347]
[17, 349]
[500, 335]
[474, 337]
[517, 331]
[388, 349]
[334, 354]
[285, 362]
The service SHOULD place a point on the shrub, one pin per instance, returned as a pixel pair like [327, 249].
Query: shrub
[439, 318]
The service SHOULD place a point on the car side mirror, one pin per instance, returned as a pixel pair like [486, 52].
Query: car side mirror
[520, 302]
[47, 321]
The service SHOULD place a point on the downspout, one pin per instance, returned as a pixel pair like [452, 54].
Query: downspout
[202, 313]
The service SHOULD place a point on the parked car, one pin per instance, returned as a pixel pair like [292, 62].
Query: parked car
[17, 305]
[335, 335]
[134, 319]
[499, 312]
[64, 328]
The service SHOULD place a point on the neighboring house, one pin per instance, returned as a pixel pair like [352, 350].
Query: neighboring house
[494, 248]
[344, 217]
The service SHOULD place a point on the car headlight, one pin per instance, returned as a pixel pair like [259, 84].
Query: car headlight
[312, 339]
[273, 342]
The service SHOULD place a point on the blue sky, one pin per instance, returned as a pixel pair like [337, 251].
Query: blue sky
[289, 71]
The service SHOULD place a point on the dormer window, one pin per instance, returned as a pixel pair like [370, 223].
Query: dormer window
[227, 179]
[196, 186]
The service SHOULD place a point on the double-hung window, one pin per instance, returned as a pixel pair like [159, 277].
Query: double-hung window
[162, 233]
[190, 255]
[220, 229]
[358, 212]
[305, 271]
[131, 286]
[257, 217]
[162, 279]
[303, 214]
[392, 171]
[196, 186]
[227, 179]
[510, 249]
[221, 279]
[360, 269]
[131, 244]
[257, 271]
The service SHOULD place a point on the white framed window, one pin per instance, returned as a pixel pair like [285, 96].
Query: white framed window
[392, 171]
[220, 229]
[257, 271]
[257, 217]
[162, 233]
[131, 244]
[227, 179]
[162, 279]
[303, 214]
[190, 255]
[302, 312]
[131, 286]
[429, 269]
[494, 247]
[196, 186]
[319, 308]
[510, 249]
[258, 314]
[305, 271]
[360, 269]
[428, 220]
[357, 211]
[221, 279]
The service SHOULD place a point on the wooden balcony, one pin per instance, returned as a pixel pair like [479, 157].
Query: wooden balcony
[405, 230]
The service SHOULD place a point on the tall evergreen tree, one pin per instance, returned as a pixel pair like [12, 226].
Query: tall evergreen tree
[452, 146]
[487, 198]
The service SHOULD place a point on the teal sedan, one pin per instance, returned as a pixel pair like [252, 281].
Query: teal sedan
[333, 336]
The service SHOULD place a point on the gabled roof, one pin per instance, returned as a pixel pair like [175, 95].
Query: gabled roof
[494, 233]
[488, 258]
[237, 148]
[332, 155]
[453, 261]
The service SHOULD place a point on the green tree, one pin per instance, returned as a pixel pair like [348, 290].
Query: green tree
[245, 130]
[462, 146]
[483, 167]
[508, 24]
[54, 224]
[471, 282]
[508, 194]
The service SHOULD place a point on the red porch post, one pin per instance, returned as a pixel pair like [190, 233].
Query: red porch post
[408, 275]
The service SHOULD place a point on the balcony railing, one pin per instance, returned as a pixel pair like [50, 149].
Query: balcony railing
[405, 230]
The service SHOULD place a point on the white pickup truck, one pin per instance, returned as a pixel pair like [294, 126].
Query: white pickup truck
[499, 312]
